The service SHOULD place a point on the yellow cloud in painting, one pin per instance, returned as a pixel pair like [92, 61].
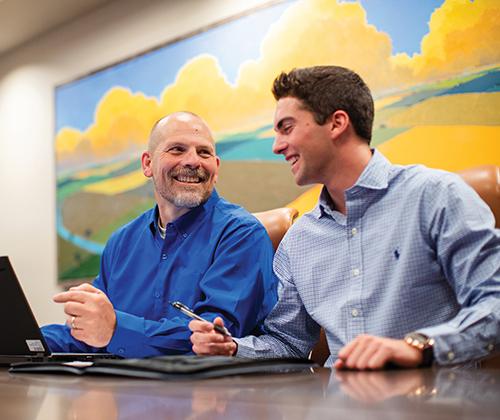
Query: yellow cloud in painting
[67, 140]
[463, 34]
[321, 32]
[200, 87]
[122, 120]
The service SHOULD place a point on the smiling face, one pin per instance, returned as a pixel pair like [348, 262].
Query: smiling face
[305, 144]
[181, 161]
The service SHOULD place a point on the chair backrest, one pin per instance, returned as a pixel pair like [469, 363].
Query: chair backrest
[277, 222]
[486, 181]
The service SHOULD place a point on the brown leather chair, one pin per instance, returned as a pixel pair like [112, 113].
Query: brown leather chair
[486, 181]
[277, 222]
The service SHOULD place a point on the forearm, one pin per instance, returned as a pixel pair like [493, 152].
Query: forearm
[266, 347]
[289, 331]
[135, 336]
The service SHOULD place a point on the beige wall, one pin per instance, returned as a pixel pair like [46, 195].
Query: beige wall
[27, 79]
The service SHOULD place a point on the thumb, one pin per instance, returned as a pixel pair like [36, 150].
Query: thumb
[219, 321]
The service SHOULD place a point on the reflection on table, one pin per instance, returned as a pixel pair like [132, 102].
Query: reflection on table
[395, 394]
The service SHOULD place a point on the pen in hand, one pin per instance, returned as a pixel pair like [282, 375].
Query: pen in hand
[185, 310]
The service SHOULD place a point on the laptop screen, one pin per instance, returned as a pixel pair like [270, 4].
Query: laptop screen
[21, 335]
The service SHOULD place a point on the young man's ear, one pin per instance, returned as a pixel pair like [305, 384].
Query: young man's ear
[339, 121]
[147, 170]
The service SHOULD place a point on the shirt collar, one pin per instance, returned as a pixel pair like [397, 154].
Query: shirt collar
[187, 222]
[375, 176]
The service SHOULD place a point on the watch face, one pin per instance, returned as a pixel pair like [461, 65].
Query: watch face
[424, 344]
[419, 341]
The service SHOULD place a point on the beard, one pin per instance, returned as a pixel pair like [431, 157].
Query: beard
[185, 194]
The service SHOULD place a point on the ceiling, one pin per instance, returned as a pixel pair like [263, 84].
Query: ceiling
[23, 20]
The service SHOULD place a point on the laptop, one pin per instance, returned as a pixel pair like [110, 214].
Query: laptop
[21, 338]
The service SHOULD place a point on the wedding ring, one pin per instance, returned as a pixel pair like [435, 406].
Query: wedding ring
[73, 323]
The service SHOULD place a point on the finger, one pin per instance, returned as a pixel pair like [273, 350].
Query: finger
[208, 338]
[339, 364]
[347, 349]
[379, 358]
[211, 343]
[75, 323]
[201, 326]
[366, 355]
[215, 349]
[86, 287]
[351, 361]
[219, 321]
[75, 296]
[74, 309]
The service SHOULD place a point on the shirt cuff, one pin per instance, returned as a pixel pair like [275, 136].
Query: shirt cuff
[453, 347]
[242, 350]
[127, 340]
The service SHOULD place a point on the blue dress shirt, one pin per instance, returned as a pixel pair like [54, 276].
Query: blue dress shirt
[417, 251]
[217, 259]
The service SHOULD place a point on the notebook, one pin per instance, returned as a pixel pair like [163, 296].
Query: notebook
[22, 340]
[171, 367]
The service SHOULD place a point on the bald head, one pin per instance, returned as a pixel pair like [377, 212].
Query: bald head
[178, 124]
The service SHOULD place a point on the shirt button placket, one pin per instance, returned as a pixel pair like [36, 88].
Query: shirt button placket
[355, 312]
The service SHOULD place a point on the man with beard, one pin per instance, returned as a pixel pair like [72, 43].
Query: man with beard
[193, 247]
[398, 264]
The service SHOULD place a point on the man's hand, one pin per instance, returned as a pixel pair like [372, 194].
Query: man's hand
[91, 315]
[370, 352]
[208, 342]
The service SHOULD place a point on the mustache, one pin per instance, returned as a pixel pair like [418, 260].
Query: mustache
[201, 173]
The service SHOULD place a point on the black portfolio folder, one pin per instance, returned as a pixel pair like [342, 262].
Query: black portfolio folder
[169, 367]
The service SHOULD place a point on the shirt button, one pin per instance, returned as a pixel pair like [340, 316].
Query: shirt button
[354, 231]
[451, 355]
[490, 347]
[164, 256]
[184, 235]
[121, 351]
[157, 294]
[355, 272]
[354, 312]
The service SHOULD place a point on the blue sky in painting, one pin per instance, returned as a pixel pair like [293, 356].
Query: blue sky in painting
[406, 21]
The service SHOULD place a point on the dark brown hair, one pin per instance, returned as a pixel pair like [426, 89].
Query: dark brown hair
[326, 89]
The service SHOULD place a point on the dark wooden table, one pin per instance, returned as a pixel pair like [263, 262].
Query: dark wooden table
[398, 394]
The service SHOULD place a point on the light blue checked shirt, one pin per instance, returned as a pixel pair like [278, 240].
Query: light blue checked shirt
[417, 251]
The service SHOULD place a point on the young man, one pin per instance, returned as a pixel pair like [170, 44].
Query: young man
[399, 264]
[193, 247]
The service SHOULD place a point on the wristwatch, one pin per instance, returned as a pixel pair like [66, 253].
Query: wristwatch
[424, 344]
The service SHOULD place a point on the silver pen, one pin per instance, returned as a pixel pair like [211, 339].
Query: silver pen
[187, 311]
